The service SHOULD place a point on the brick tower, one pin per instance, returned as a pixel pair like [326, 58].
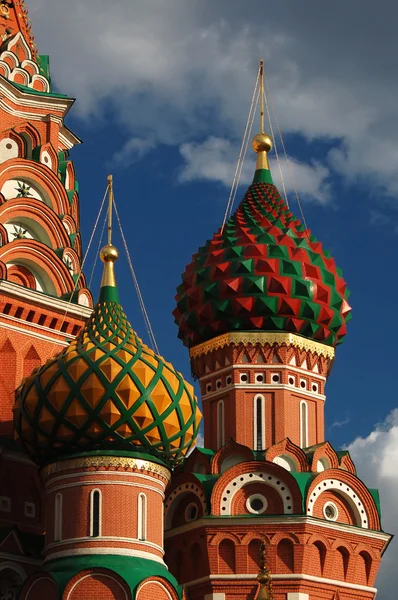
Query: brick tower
[107, 419]
[43, 298]
[262, 307]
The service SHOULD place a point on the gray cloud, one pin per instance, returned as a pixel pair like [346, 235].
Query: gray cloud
[175, 72]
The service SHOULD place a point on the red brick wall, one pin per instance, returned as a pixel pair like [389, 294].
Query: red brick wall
[97, 587]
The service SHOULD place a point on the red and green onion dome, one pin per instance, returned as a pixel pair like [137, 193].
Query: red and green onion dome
[107, 391]
[262, 271]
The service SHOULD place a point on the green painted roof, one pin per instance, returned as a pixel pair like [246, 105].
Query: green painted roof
[133, 570]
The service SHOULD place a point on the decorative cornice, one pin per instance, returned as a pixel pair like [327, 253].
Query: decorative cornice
[106, 461]
[263, 338]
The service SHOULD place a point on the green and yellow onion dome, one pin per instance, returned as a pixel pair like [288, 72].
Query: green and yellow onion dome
[263, 271]
[107, 391]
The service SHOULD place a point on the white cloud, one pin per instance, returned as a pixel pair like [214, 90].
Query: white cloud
[177, 72]
[215, 159]
[376, 459]
[132, 151]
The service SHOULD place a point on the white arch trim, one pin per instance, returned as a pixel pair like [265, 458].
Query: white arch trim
[255, 477]
[153, 583]
[182, 489]
[342, 489]
[105, 576]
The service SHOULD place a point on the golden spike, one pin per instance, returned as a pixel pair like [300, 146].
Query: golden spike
[261, 96]
[262, 142]
[109, 254]
[264, 576]
[110, 208]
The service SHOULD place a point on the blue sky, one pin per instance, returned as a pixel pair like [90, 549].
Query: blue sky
[163, 94]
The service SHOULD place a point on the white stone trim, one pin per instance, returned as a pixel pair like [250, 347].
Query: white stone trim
[24, 99]
[298, 596]
[283, 577]
[111, 482]
[262, 387]
[255, 477]
[33, 334]
[344, 490]
[262, 424]
[296, 520]
[26, 294]
[106, 473]
[153, 583]
[107, 538]
[105, 551]
[215, 596]
[259, 368]
[104, 575]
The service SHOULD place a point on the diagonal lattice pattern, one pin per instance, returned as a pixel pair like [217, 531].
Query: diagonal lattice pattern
[107, 390]
[265, 271]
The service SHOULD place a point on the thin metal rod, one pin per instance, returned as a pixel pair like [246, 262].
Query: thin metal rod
[110, 208]
[261, 96]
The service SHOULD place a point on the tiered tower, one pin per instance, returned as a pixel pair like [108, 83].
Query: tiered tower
[43, 298]
[107, 419]
[262, 307]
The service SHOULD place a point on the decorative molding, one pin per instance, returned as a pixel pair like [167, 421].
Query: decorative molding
[105, 551]
[104, 575]
[17, 291]
[106, 461]
[260, 367]
[342, 489]
[263, 477]
[263, 338]
[284, 577]
[228, 522]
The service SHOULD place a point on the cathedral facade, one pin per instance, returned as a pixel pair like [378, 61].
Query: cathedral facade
[103, 491]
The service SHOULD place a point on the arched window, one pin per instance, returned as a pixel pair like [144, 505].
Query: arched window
[95, 513]
[341, 560]
[364, 567]
[220, 424]
[320, 557]
[142, 517]
[285, 557]
[226, 557]
[58, 518]
[259, 423]
[303, 424]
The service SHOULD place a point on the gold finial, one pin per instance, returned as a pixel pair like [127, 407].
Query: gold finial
[264, 577]
[109, 254]
[262, 142]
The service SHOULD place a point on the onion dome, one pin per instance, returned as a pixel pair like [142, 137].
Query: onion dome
[107, 391]
[262, 271]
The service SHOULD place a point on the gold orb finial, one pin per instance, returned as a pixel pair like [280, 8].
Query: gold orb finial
[109, 254]
[262, 142]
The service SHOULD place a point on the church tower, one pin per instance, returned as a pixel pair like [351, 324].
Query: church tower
[107, 420]
[44, 301]
[262, 308]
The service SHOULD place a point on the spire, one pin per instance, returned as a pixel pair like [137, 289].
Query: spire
[264, 577]
[109, 255]
[262, 143]
[13, 20]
